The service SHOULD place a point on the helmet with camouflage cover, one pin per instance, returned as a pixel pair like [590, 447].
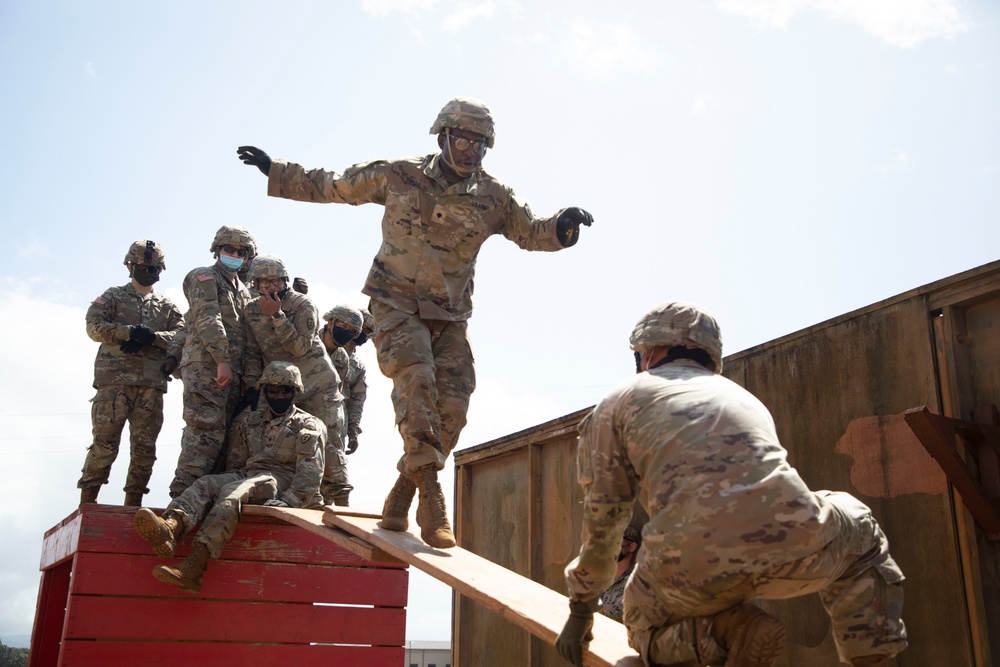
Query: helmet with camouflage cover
[148, 253]
[349, 315]
[268, 266]
[367, 322]
[283, 374]
[468, 114]
[238, 236]
[678, 323]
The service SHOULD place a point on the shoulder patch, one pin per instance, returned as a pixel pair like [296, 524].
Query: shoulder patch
[100, 301]
[202, 277]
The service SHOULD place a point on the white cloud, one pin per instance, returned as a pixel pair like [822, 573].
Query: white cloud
[599, 48]
[34, 250]
[701, 104]
[465, 12]
[900, 161]
[901, 23]
[90, 70]
[386, 7]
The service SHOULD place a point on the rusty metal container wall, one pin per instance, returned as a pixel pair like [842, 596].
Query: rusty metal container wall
[837, 391]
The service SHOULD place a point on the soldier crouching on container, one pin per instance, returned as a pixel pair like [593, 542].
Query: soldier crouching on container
[211, 362]
[439, 210]
[283, 325]
[134, 325]
[730, 520]
[275, 458]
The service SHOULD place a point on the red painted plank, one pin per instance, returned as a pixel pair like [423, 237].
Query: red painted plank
[109, 529]
[49, 613]
[209, 620]
[127, 575]
[167, 654]
[60, 541]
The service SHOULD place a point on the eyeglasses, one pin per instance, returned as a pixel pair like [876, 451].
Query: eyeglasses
[233, 250]
[463, 144]
[278, 391]
[271, 282]
[148, 268]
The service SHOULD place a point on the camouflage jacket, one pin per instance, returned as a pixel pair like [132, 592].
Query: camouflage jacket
[294, 442]
[214, 328]
[108, 321]
[704, 459]
[431, 231]
[357, 388]
[292, 337]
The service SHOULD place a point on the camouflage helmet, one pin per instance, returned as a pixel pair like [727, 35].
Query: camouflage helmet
[146, 252]
[349, 315]
[367, 322]
[467, 114]
[283, 374]
[268, 266]
[679, 323]
[232, 235]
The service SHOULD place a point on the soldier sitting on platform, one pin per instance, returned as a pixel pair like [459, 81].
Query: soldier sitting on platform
[275, 458]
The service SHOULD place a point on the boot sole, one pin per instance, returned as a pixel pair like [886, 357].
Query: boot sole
[164, 575]
[392, 523]
[438, 541]
[148, 527]
[764, 643]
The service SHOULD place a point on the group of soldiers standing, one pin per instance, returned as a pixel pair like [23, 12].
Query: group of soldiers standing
[243, 315]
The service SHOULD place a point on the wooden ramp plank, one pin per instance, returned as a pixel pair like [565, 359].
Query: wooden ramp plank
[312, 520]
[529, 605]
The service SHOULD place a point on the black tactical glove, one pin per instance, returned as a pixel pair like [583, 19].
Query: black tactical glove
[300, 285]
[252, 397]
[130, 346]
[141, 334]
[577, 631]
[168, 366]
[568, 225]
[255, 157]
[352, 444]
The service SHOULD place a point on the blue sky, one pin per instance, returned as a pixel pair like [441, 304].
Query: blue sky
[779, 161]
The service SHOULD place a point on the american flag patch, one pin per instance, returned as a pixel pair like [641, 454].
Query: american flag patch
[100, 301]
[205, 276]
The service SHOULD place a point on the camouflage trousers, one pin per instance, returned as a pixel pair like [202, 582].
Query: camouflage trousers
[433, 374]
[208, 410]
[331, 413]
[111, 407]
[858, 582]
[214, 501]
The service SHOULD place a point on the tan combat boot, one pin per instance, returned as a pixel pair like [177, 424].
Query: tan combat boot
[187, 575]
[751, 637]
[88, 494]
[133, 498]
[432, 517]
[161, 533]
[396, 510]
[340, 499]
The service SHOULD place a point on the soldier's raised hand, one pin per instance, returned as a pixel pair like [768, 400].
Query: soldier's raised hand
[255, 157]
[568, 225]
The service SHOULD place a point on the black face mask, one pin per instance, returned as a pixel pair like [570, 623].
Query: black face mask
[361, 339]
[341, 336]
[281, 294]
[146, 275]
[638, 364]
[279, 406]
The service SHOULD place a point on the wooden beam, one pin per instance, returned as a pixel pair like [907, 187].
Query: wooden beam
[529, 605]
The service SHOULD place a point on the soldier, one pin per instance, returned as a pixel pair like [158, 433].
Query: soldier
[357, 384]
[134, 325]
[212, 359]
[283, 325]
[275, 458]
[730, 520]
[439, 210]
[613, 599]
[343, 322]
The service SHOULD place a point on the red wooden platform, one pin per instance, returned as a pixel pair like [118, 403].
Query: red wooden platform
[279, 595]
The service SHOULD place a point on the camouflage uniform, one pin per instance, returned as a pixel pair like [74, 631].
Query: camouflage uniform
[730, 521]
[214, 334]
[269, 457]
[129, 387]
[293, 335]
[613, 599]
[422, 278]
[357, 388]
